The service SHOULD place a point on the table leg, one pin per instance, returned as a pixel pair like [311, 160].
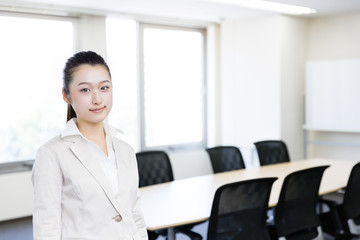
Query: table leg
[171, 233]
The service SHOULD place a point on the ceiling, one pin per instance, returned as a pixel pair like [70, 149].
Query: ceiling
[199, 10]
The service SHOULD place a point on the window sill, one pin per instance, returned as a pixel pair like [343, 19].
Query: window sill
[13, 167]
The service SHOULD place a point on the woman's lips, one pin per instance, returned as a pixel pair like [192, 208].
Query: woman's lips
[97, 110]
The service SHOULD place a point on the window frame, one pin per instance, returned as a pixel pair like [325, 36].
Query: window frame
[171, 147]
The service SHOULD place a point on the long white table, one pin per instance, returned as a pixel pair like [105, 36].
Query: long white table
[180, 202]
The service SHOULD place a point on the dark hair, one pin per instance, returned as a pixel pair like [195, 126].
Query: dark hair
[80, 58]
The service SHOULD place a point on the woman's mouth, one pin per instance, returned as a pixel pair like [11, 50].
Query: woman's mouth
[97, 110]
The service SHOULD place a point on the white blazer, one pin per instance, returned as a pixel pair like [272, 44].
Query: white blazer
[73, 198]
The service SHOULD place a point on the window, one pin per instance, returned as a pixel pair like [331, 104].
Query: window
[172, 84]
[160, 102]
[33, 54]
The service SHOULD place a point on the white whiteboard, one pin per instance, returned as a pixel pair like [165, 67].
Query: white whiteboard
[333, 95]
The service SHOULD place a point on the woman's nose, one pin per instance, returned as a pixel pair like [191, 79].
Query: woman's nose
[97, 100]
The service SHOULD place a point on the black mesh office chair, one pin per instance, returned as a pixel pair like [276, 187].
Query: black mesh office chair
[225, 158]
[296, 214]
[239, 210]
[272, 151]
[343, 218]
[155, 167]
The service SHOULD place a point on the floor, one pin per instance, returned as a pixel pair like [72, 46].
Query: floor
[21, 229]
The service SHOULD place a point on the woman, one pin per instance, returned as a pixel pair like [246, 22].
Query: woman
[86, 180]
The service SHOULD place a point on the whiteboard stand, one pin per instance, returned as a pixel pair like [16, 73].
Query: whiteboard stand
[304, 129]
[305, 142]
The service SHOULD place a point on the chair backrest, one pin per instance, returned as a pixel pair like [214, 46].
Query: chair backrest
[225, 158]
[295, 213]
[272, 151]
[351, 206]
[239, 210]
[154, 167]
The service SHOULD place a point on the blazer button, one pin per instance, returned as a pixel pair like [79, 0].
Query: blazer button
[118, 218]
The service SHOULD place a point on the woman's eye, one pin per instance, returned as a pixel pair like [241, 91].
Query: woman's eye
[85, 90]
[104, 88]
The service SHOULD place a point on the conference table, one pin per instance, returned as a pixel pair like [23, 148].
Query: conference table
[180, 202]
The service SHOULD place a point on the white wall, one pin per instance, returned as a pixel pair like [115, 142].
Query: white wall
[92, 34]
[262, 80]
[293, 54]
[187, 164]
[16, 198]
[334, 37]
[250, 80]
[213, 84]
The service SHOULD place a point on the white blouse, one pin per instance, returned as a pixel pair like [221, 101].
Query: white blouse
[108, 163]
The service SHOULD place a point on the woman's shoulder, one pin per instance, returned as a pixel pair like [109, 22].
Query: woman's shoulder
[54, 142]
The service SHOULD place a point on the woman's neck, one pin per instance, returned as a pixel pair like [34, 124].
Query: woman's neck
[92, 131]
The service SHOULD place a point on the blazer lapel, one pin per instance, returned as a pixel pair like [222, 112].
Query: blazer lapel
[85, 157]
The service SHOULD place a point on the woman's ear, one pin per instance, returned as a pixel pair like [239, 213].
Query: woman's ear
[66, 97]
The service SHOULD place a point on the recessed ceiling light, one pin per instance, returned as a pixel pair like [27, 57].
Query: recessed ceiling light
[267, 6]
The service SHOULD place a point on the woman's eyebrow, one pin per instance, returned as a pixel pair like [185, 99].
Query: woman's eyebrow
[101, 82]
[104, 81]
[82, 83]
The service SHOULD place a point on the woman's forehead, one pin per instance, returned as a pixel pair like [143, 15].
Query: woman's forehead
[90, 74]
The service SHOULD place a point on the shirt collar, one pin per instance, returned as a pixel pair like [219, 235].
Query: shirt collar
[71, 129]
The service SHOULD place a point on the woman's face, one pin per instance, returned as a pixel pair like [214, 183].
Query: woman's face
[90, 93]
